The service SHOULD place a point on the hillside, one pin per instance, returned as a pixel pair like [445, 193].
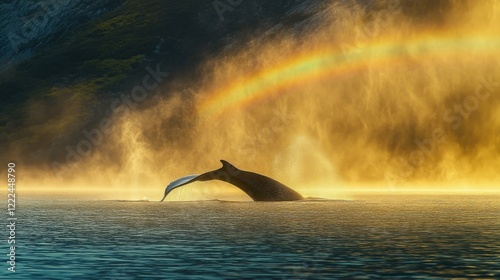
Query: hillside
[56, 83]
[304, 88]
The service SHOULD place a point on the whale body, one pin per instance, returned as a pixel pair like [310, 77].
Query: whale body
[257, 186]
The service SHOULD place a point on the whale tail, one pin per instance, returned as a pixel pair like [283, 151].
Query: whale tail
[257, 186]
[228, 167]
[224, 174]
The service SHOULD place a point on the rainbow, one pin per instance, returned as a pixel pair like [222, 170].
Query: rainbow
[334, 62]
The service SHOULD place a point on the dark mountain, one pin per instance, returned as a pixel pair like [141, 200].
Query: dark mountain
[64, 61]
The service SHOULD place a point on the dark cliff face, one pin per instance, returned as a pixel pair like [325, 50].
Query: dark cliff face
[62, 62]
[28, 27]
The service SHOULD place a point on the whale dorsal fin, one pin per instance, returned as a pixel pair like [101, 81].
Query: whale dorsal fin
[227, 166]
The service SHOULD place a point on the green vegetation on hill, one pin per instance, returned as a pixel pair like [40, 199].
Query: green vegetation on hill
[51, 97]
[43, 97]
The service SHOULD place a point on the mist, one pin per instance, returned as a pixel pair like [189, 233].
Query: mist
[427, 117]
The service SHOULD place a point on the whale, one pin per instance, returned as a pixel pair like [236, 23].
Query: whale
[256, 186]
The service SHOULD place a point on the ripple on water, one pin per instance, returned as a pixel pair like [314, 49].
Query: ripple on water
[211, 240]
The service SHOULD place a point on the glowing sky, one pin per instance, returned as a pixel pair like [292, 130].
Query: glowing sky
[325, 112]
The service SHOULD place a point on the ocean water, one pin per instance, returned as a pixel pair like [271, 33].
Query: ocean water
[423, 237]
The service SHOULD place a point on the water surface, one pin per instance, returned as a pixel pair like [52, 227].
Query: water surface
[432, 237]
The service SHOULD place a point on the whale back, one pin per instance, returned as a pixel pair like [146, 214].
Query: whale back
[257, 186]
[263, 188]
[226, 173]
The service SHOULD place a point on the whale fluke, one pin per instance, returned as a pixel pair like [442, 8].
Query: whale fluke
[257, 186]
[179, 183]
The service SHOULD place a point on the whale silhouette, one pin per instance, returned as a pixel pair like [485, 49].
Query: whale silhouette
[258, 187]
